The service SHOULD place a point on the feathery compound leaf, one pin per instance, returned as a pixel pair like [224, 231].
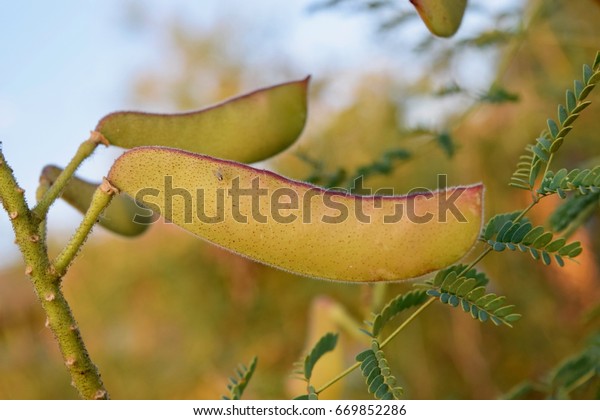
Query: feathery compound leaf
[376, 371]
[550, 142]
[395, 306]
[522, 176]
[576, 370]
[326, 344]
[496, 223]
[237, 385]
[574, 212]
[581, 181]
[442, 275]
[575, 104]
[464, 290]
[538, 242]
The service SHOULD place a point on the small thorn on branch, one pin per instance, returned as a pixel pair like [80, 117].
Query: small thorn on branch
[98, 138]
[100, 394]
[108, 188]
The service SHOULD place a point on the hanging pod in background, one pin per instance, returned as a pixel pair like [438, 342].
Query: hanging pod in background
[442, 17]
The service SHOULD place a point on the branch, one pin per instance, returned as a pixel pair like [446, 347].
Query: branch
[85, 150]
[46, 282]
[100, 200]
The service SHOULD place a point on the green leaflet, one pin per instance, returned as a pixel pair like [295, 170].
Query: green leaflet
[581, 181]
[503, 233]
[395, 306]
[376, 371]
[457, 288]
[237, 385]
[122, 216]
[248, 128]
[326, 344]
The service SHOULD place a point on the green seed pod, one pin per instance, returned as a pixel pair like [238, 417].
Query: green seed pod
[442, 17]
[122, 216]
[248, 128]
[299, 227]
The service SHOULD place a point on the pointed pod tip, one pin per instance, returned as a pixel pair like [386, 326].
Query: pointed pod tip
[442, 17]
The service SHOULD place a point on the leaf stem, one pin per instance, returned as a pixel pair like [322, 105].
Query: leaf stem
[382, 345]
[100, 200]
[40, 192]
[46, 281]
[406, 322]
[83, 152]
[337, 378]
[490, 249]
[526, 209]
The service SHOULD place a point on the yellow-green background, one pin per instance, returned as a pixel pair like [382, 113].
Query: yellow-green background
[168, 316]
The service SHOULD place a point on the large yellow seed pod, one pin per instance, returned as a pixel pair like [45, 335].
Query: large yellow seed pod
[299, 227]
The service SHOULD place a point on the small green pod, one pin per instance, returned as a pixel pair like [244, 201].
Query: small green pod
[247, 128]
[122, 216]
[442, 17]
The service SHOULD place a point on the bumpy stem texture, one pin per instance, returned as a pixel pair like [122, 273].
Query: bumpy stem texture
[85, 150]
[46, 281]
[100, 200]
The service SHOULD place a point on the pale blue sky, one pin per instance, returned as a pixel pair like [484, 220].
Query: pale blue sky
[64, 64]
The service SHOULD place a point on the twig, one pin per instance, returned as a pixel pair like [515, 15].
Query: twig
[85, 150]
[100, 200]
[46, 281]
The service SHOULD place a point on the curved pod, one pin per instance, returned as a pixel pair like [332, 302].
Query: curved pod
[247, 128]
[299, 227]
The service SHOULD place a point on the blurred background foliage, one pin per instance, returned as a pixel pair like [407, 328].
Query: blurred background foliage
[169, 316]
